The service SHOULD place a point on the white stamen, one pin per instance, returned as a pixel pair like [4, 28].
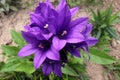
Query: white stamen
[40, 46]
[46, 26]
[64, 33]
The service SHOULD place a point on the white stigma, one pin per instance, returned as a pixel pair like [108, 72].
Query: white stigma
[64, 33]
[46, 26]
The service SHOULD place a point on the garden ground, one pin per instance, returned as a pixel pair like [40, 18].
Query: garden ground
[19, 19]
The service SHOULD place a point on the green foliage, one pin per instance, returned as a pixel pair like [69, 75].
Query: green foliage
[92, 2]
[18, 65]
[10, 50]
[26, 67]
[17, 38]
[69, 71]
[10, 66]
[73, 3]
[100, 57]
[103, 22]
[7, 6]
[75, 68]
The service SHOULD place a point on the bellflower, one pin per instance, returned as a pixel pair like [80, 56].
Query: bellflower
[58, 23]
[40, 19]
[52, 65]
[52, 33]
[91, 41]
[64, 29]
[41, 48]
[74, 48]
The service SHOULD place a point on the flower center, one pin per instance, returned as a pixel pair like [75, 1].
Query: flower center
[44, 45]
[51, 62]
[40, 46]
[46, 26]
[64, 33]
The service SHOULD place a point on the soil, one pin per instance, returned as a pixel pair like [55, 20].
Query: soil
[19, 19]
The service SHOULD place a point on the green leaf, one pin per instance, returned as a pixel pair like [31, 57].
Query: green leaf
[109, 12]
[17, 38]
[112, 32]
[13, 8]
[1, 10]
[77, 60]
[103, 26]
[11, 64]
[99, 34]
[114, 17]
[1, 64]
[9, 67]
[100, 57]
[79, 67]
[7, 7]
[10, 50]
[94, 15]
[15, 59]
[99, 17]
[69, 71]
[15, 64]
[115, 21]
[26, 67]
[103, 20]
[3, 1]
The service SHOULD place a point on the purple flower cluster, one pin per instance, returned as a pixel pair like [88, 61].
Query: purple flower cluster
[52, 33]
